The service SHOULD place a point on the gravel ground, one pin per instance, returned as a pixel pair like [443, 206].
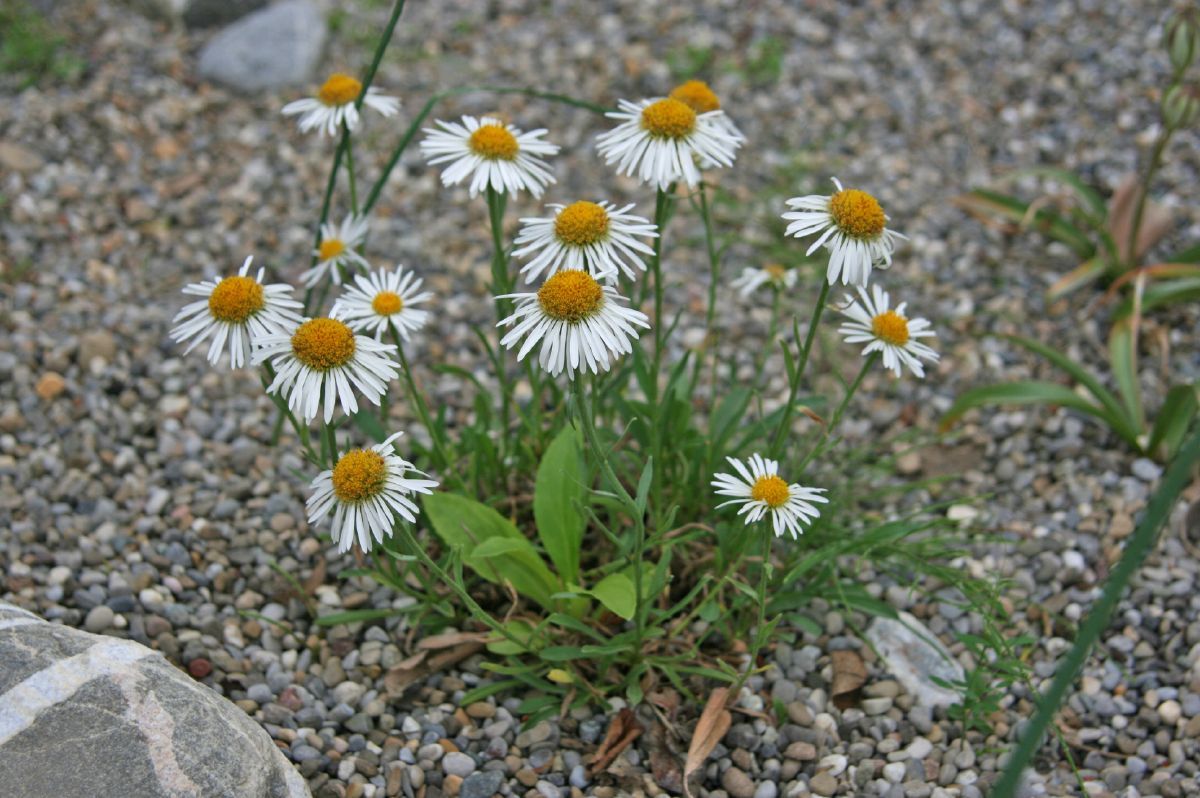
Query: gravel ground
[140, 499]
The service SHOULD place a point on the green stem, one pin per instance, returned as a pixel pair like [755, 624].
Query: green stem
[586, 420]
[331, 442]
[1176, 478]
[350, 170]
[478, 612]
[820, 446]
[714, 278]
[496, 202]
[786, 419]
[440, 446]
[1135, 227]
[764, 578]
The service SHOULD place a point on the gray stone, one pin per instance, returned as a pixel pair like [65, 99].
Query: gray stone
[913, 654]
[128, 721]
[459, 764]
[212, 13]
[279, 45]
[483, 784]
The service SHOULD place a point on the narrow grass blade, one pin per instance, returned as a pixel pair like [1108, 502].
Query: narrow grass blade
[1144, 537]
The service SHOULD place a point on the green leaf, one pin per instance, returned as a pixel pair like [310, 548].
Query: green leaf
[1122, 358]
[1189, 255]
[985, 202]
[1087, 272]
[1172, 421]
[354, 616]
[1084, 378]
[561, 653]
[498, 547]
[558, 496]
[1165, 292]
[725, 418]
[1028, 392]
[465, 524]
[616, 592]
[643, 487]
[1088, 195]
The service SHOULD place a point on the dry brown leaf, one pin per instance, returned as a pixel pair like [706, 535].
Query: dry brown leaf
[315, 579]
[849, 674]
[1156, 219]
[713, 724]
[450, 639]
[664, 762]
[418, 666]
[623, 730]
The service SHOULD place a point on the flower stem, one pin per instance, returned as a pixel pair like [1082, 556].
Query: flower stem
[350, 169]
[440, 445]
[500, 285]
[764, 579]
[714, 277]
[821, 445]
[786, 419]
[1135, 226]
[585, 419]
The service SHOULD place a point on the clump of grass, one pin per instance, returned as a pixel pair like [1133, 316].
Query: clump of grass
[31, 50]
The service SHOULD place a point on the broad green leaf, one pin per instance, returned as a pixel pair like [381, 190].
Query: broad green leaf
[521, 630]
[1189, 255]
[1172, 421]
[1165, 292]
[1084, 378]
[561, 653]
[1029, 392]
[464, 524]
[643, 487]
[497, 547]
[1122, 357]
[558, 497]
[616, 592]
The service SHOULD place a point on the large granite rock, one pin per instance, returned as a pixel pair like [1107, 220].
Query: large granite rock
[915, 656]
[84, 715]
[279, 45]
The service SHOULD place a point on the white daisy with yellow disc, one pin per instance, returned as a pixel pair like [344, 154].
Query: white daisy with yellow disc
[773, 274]
[366, 491]
[761, 492]
[659, 141]
[238, 311]
[337, 103]
[596, 237]
[338, 250]
[887, 331]
[701, 98]
[580, 324]
[323, 360]
[852, 225]
[492, 153]
[381, 298]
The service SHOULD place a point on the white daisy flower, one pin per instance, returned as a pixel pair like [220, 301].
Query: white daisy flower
[240, 310]
[702, 99]
[335, 104]
[852, 227]
[660, 141]
[761, 491]
[366, 490]
[773, 273]
[382, 297]
[579, 323]
[494, 154]
[323, 357]
[337, 250]
[887, 331]
[594, 236]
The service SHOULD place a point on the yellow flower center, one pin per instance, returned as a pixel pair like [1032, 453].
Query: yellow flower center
[358, 475]
[857, 213]
[323, 344]
[330, 248]
[770, 489]
[235, 299]
[698, 96]
[581, 223]
[494, 142]
[570, 296]
[668, 119]
[339, 90]
[386, 303]
[890, 326]
[775, 270]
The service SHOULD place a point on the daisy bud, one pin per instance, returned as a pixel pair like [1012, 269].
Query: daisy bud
[1181, 38]
[1180, 105]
